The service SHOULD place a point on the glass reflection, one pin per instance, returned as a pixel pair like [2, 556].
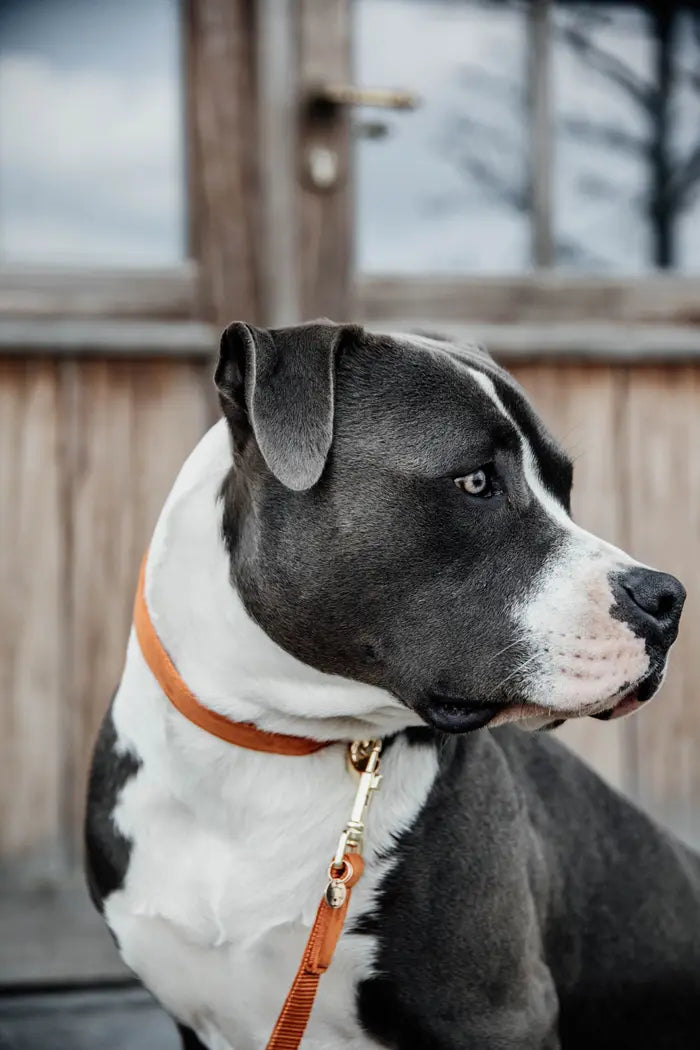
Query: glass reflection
[91, 135]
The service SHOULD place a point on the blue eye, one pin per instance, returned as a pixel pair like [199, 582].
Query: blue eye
[480, 483]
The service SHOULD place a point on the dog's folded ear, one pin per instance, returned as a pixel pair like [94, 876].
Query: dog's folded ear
[279, 386]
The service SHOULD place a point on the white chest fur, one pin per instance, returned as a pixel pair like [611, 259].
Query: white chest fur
[230, 847]
[230, 850]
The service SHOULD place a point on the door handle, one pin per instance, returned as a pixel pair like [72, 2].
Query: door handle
[331, 96]
[322, 126]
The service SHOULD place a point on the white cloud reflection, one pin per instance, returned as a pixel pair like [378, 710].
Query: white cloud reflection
[91, 151]
[92, 140]
[441, 192]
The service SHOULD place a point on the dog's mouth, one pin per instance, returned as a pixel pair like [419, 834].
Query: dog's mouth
[631, 700]
[453, 714]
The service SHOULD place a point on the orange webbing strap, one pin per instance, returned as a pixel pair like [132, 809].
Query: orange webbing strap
[325, 932]
[243, 734]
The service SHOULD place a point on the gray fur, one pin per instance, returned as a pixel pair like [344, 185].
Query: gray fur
[382, 570]
[289, 393]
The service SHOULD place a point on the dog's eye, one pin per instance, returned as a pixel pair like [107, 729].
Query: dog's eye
[481, 482]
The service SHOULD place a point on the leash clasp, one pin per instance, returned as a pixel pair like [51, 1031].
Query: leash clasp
[344, 871]
[363, 757]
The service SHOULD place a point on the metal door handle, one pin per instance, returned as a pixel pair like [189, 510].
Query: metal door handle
[333, 95]
[321, 124]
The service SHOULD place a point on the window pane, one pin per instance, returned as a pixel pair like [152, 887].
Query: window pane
[445, 189]
[686, 141]
[627, 170]
[91, 133]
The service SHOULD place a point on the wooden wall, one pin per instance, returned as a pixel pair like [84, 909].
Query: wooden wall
[635, 434]
[88, 450]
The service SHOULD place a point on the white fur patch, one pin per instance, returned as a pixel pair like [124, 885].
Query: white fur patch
[230, 847]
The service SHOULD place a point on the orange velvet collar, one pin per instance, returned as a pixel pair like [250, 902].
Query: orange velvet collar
[244, 734]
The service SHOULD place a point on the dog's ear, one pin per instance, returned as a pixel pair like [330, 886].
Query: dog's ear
[279, 386]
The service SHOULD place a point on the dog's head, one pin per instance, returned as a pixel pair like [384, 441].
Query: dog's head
[398, 514]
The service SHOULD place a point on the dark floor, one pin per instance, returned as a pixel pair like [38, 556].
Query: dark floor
[62, 983]
[106, 1018]
[53, 935]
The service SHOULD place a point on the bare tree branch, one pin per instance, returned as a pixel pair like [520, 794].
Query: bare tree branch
[468, 130]
[610, 66]
[571, 253]
[604, 135]
[489, 149]
[496, 84]
[594, 185]
[684, 179]
[695, 26]
[492, 181]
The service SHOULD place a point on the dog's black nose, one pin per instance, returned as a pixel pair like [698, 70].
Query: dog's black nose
[652, 600]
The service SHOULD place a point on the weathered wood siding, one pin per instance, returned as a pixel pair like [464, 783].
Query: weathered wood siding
[88, 450]
[635, 433]
[32, 704]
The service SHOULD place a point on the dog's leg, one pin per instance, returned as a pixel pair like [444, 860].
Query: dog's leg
[189, 1039]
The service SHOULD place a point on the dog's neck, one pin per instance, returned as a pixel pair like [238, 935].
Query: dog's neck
[225, 658]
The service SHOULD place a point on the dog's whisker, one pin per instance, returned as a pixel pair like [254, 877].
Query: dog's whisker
[505, 649]
[512, 674]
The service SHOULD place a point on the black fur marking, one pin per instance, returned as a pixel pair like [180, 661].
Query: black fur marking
[107, 852]
[190, 1040]
[490, 937]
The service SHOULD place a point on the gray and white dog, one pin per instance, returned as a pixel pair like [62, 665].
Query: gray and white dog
[376, 541]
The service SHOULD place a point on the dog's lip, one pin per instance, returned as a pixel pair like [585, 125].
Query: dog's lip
[626, 706]
[519, 712]
[631, 700]
[454, 714]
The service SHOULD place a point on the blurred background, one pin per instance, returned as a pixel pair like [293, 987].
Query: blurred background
[524, 173]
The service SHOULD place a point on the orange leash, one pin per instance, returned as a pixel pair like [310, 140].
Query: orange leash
[325, 932]
[344, 871]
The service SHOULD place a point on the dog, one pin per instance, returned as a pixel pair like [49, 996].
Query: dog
[375, 541]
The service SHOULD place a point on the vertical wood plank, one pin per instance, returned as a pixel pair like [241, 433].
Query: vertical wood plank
[581, 406]
[31, 569]
[98, 414]
[662, 444]
[541, 151]
[278, 126]
[326, 234]
[134, 424]
[223, 156]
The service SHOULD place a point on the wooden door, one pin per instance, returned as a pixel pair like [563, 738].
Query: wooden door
[483, 212]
